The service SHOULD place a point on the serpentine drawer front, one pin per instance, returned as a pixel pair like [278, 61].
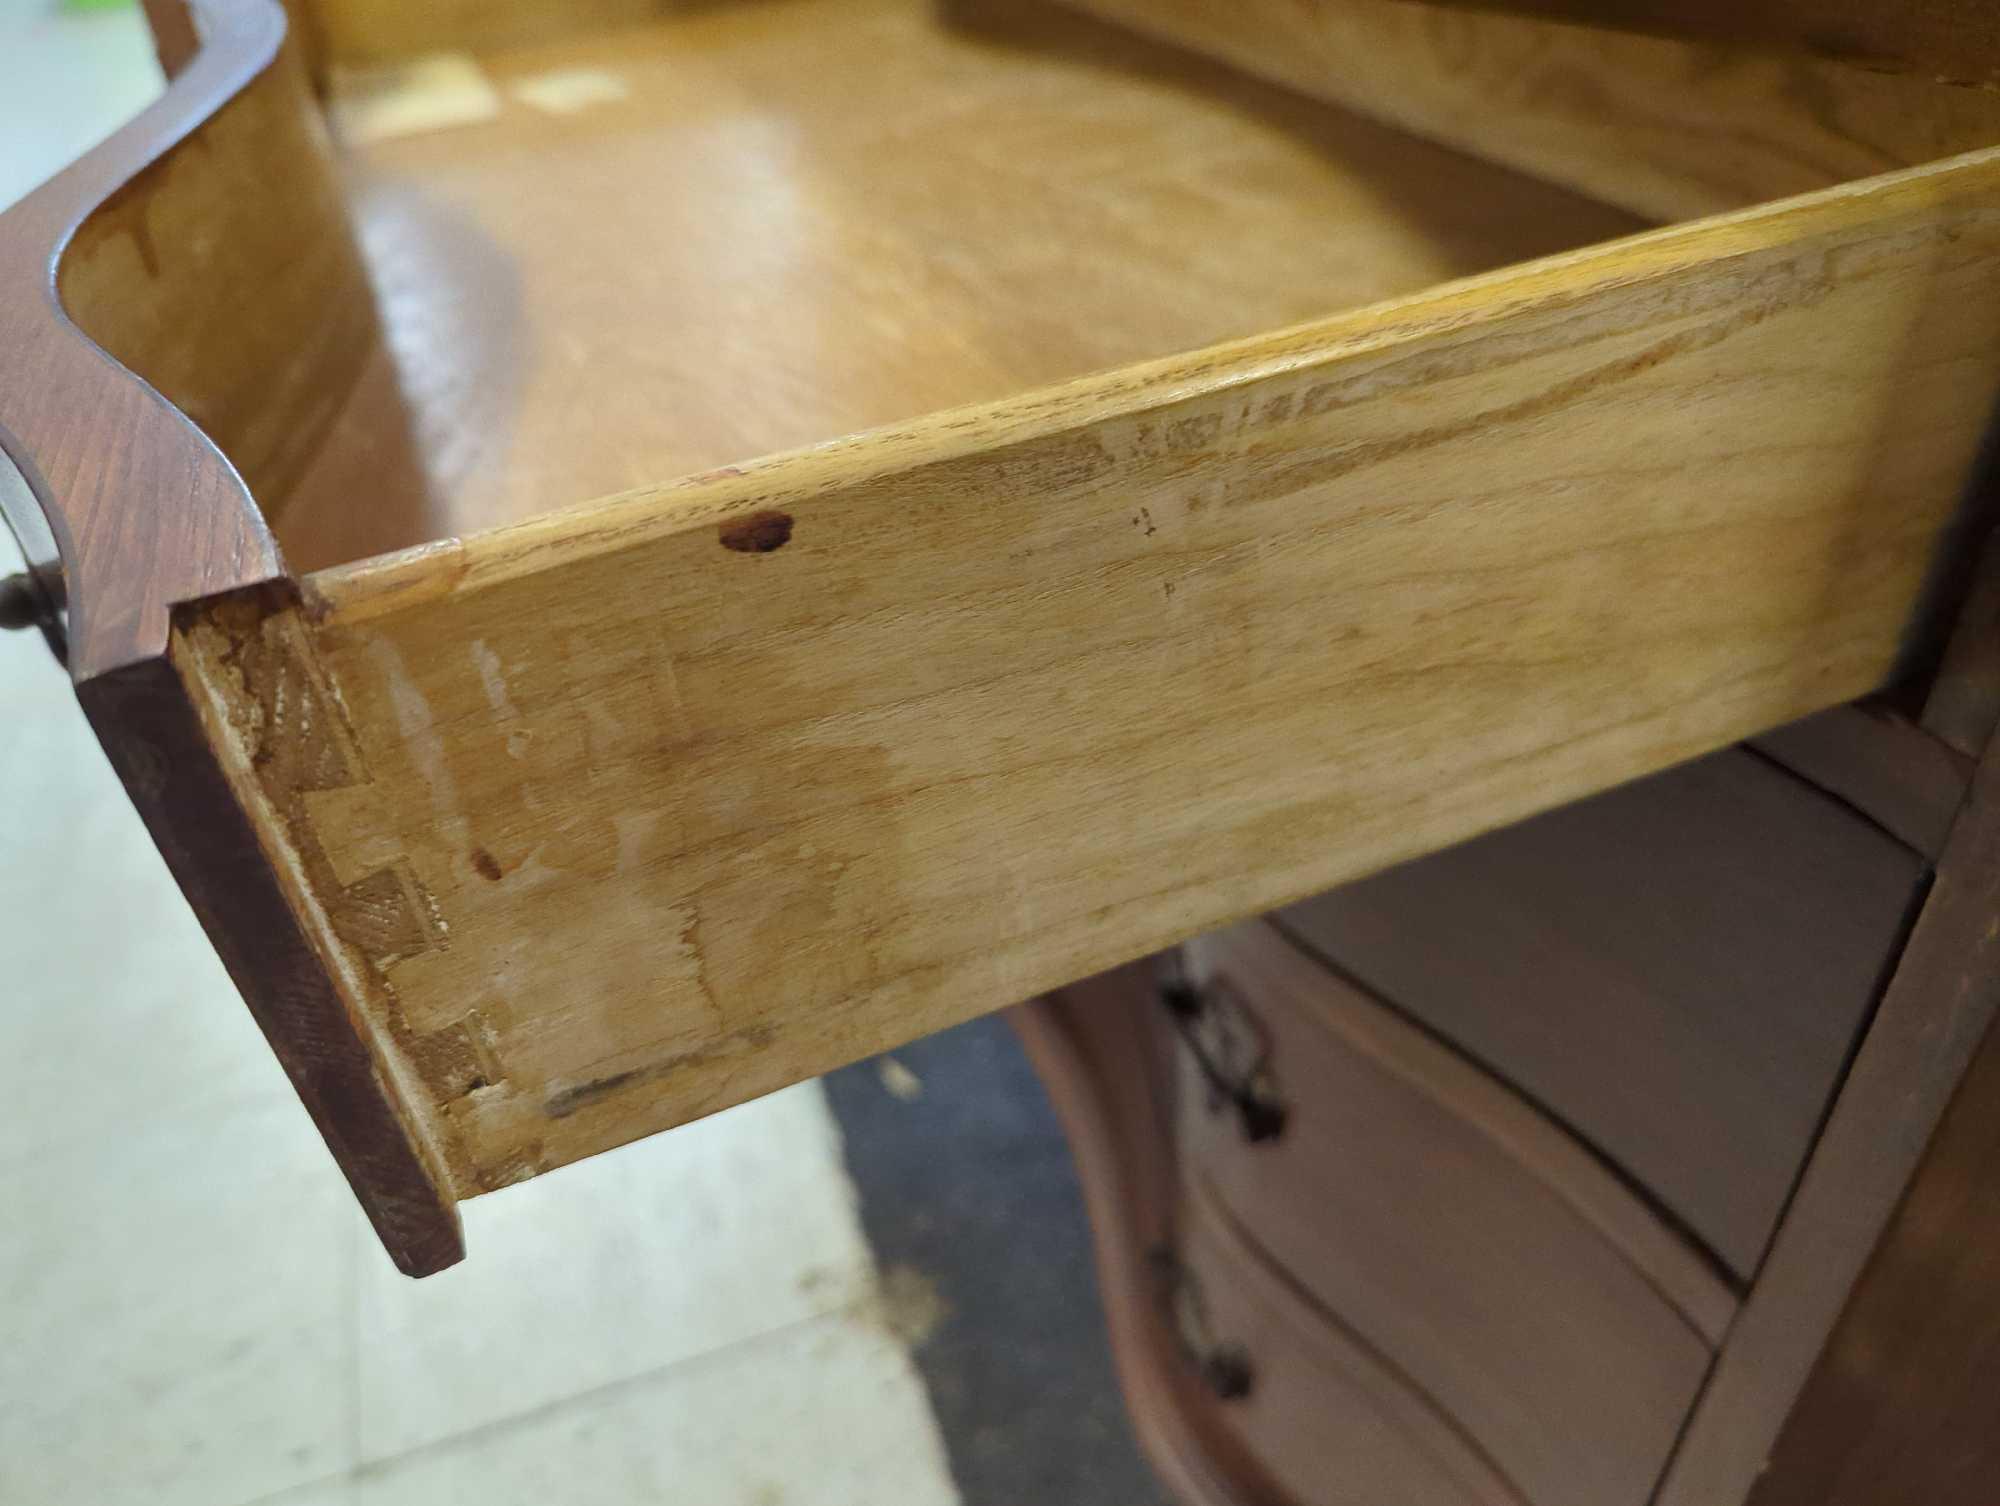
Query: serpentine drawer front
[1192, 497]
[1330, 1421]
[1676, 969]
[1467, 1241]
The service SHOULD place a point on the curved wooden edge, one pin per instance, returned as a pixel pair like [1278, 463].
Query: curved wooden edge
[141, 509]
[133, 513]
[1095, 1046]
[162, 742]
[1865, 1178]
[1276, 966]
[1086, 1048]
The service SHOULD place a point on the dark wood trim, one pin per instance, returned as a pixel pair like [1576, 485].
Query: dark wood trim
[1904, 1404]
[1884, 766]
[175, 40]
[155, 740]
[1953, 41]
[129, 512]
[1936, 1008]
[143, 511]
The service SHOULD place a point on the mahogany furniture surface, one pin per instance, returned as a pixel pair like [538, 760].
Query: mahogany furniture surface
[1056, 495]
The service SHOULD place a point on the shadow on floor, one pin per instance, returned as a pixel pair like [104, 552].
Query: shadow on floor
[972, 1205]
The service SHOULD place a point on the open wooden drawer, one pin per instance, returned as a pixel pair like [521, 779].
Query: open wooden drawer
[1058, 633]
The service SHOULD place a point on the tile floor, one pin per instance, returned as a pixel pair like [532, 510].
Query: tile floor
[191, 1309]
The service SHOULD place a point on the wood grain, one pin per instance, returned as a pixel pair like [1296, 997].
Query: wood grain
[1012, 694]
[1667, 129]
[135, 511]
[141, 509]
[1332, 1420]
[1957, 40]
[227, 276]
[162, 740]
[1557, 952]
[745, 259]
[1938, 1006]
[1904, 1403]
[1105, 1051]
[1465, 1239]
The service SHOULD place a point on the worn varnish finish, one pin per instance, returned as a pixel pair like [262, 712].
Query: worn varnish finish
[798, 758]
[1028, 196]
[167, 750]
[1668, 129]
[1449, 562]
[245, 232]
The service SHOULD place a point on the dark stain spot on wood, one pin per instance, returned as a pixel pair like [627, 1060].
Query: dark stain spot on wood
[759, 533]
[560, 1105]
[1186, 435]
[566, 1101]
[488, 865]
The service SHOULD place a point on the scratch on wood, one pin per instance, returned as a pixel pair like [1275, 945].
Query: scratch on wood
[418, 726]
[566, 1101]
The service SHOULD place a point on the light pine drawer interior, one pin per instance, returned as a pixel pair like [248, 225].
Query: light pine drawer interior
[794, 524]
[785, 223]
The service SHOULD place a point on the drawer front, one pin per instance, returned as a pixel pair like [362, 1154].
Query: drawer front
[1675, 969]
[1460, 1236]
[1328, 1423]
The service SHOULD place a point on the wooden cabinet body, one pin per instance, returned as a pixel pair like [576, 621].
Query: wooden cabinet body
[1509, 1281]
[1057, 494]
[1677, 970]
